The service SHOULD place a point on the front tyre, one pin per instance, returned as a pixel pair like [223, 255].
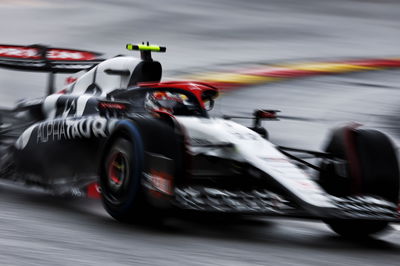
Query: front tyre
[372, 169]
[120, 179]
[357, 228]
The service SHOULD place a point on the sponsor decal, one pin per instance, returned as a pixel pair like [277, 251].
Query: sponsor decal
[66, 129]
[69, 107]
[71, 129]
[52, 53]
[70, 80]
[161, 182]
[58, 54]
[19, 52]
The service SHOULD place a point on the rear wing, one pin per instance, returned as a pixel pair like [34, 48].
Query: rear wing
[41, 58]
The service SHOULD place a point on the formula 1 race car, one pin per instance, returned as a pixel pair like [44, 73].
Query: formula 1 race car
[152, 148]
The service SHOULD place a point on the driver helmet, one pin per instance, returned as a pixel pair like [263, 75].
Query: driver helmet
[164, 101]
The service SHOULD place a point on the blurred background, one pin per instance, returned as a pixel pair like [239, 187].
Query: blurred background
[204, 36]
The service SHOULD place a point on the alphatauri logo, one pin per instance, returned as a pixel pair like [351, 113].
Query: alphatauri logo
[66, 129]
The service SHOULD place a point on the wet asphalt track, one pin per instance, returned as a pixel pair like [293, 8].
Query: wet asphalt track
[37, 229]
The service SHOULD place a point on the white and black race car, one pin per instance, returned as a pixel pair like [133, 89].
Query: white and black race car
[152, 148]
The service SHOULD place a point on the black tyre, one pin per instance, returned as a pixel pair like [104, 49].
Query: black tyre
[120, 180]
[356, 228]
[372, 169]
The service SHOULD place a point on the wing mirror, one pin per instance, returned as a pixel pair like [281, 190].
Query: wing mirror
[261, 114]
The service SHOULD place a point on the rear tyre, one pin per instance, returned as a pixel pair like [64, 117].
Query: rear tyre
[120, 180]
[372, 169]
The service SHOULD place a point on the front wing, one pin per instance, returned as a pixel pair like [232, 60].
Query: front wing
[263, 202]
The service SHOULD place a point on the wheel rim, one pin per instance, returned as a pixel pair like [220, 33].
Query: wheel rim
[117, 175]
